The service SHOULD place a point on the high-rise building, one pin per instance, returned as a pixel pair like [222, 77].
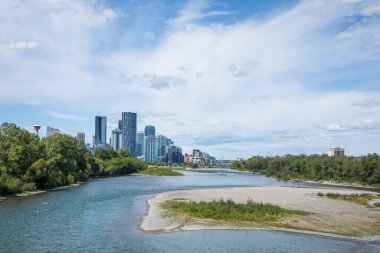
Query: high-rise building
[150, 131]
[116, 140]
[100, 131]
[51, 131]
[162, 143]
[170, 142]
[129, 129]
[119, 124]
[81, 137]
[151, 149]
[140, 143]
[174, 155]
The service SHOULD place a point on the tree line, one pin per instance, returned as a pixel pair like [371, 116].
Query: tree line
[363, 169]
[28, 163]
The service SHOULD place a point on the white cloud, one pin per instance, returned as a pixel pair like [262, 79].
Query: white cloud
[196, 10]
[21, 45]
[64, 116]
[153, 81]
[371, 10]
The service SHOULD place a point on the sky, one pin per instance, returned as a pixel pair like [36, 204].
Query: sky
[232, 78]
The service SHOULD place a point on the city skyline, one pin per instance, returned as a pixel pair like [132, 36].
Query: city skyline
[235, 78]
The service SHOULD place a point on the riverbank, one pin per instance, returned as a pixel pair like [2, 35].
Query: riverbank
[327, 216]
[31, 193]
[350, 185]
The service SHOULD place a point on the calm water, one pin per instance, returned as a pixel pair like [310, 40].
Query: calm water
[104, 215]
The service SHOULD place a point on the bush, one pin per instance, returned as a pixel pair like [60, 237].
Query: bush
[10, 185]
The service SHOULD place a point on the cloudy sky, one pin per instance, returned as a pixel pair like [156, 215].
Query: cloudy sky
[233, 78]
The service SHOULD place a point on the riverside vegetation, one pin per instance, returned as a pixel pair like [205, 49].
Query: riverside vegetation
[159, 171]
[363, 169]
[361, 199]
[29, 163]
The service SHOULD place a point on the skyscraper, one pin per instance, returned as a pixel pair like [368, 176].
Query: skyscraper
[140, 144]
[150, 131]
[162, 144]
[151, 149]
[81, 137]
[117, 137]
[129, 128]
[100, 130]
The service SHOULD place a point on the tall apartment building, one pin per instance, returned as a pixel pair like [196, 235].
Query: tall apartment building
[140, 143]
[129, 129]
[100, 131]
[51, 131]
[116, 140]
[81, 137]
[174, 155]
[150, 130]
[151, 148]
[162, 144]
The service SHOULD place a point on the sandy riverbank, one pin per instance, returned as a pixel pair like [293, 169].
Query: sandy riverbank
[327, 216]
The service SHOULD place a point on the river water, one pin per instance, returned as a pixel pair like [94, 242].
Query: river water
[103, 215]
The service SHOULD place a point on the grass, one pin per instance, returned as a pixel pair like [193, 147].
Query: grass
[230, 211]
[159, 171]
[361, 199]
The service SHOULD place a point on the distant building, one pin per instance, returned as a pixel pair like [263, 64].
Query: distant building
[81, 137]
[188, 158]
[100, 131]
[202, 157]
[150, 130]
[174, 155]
[140, 143]
[129, 129]
[197, 153]
[119, 125]
[151, 148]
[51, 131]
[338, 151]
[116, 140]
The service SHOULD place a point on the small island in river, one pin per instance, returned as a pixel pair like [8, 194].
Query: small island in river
[325, 211]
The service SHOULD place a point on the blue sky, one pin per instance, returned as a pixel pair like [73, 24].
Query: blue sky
[233, 78]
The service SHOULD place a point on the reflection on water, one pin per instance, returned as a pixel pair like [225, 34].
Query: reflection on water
[103, 215]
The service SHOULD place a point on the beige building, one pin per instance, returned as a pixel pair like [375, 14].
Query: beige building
[338, 151]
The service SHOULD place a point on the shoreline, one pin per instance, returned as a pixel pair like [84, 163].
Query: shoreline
[322, 182]
[36, 192]
[333, 223]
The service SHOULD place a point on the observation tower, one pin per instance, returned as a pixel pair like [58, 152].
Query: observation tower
[37, 128]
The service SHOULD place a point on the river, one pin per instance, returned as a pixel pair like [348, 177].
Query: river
[103, 215]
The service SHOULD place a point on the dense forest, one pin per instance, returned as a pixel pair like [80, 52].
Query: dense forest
[363, 170]
[28, 163]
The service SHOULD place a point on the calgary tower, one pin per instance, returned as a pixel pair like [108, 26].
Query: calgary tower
[37, 128]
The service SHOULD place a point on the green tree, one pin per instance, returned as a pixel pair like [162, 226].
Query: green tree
[105, 153]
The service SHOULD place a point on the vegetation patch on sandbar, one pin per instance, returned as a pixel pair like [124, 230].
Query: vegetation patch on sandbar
[361, 199]
[228, 210]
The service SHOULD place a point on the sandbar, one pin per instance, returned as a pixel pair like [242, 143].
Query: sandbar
[328, 217]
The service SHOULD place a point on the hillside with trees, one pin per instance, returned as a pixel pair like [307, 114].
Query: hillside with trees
[363, 169]
[28, 163]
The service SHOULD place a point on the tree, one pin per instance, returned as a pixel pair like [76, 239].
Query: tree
[105, 153]
[19, 149]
